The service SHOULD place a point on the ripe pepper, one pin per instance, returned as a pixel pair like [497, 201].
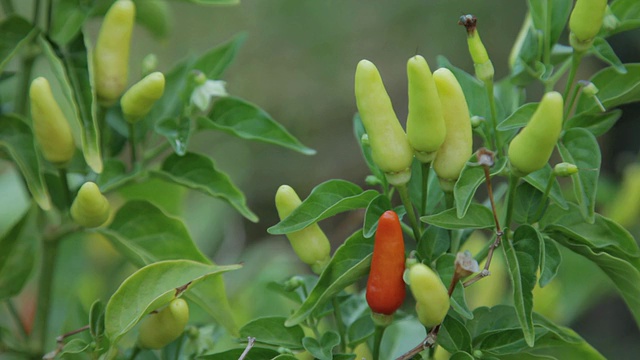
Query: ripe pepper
[531, 149]
[50, 126]
[90, 208]
[425, 122]
[111, 54]
[432, 297]
[310, 244]
[457, 146]
[139, 99]
[585, 22]
[159, 329]
[385, 286]
[389, 145]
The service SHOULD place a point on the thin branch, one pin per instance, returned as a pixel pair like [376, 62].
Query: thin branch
[252, 341]
[60, 342]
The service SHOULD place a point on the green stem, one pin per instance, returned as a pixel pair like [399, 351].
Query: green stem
[545, 196]
[571, 102]
[62, 173]
[340, 323]
[377, 340]
[576, 58]
[511, 195]
[151, 154]
[36, 11]
[49, 16]
[406, 201]
[7, 7]
[105, 130]
[16, 317]
[547, 35]
[550, 83]
[455, 240]
[496, 143]
[45, 287]
[133, 142]
[425, 186]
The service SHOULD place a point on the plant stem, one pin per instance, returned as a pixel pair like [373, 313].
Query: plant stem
[547, 35]
[339, 322]
[62, 173]
[151, 154]
[45, 286]
[576, 58]
[49, 16]
[425, 186]
[493, 134]
[36, 12]
[545, 196]
[16, 317]
[406, 201]
[251, 341]
[571, 102]
[105, 130]
[377, 340]
[7, 7]
[133, 144]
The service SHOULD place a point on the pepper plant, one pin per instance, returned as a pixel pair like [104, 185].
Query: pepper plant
[480, 156]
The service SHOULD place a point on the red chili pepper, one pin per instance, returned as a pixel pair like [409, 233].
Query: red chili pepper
[385, 287]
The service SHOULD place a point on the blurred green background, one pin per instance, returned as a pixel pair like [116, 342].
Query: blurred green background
[298, 64]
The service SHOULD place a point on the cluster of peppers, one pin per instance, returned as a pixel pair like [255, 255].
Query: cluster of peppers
[438, 134]
[91, 208]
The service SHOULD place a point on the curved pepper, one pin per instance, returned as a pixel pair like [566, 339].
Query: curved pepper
[310, 244]
[390, 148]
[531, 149]
[385, 286]
[432, 297]
[90, 208]
[159, 329]
[139, 99]
[111, 54]
[457, 147]
[50, 126]
[425, 123]
[585, 22]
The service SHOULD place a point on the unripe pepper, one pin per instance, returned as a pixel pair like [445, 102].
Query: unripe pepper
[138, 100]
[385, 287]
[111, 54]
[457, 146]
[50, 126]
[310, 244]
[425, 122]
[531, 149]
[432, 298]
[390, 148]
[585, 22]
[90, 208]
[159, 329]
[481, 62]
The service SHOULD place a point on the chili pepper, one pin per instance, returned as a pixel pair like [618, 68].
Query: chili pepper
[389, 145]
[159, 329]
[90, 208]
[585, 22]
[111, 55]
[310, 244]
[531, 149]
[425, 122]
[385, 287]
[139, 99]
[50, 126]
[432, 297]
[457, 146]
[481, 62]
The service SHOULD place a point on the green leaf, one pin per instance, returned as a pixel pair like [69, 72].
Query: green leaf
[477, 217]
[603, 234]
[474, 91]
[624, 274]
[628, 13]
[539, 180]
[350, 262]
[454, 336]
[18, 256]
[614, 89]
[67, 19]
[156, 16]
[580, 147]
[74, 74]
[360, 330]
[325, 200]
[471, 177]
[96, 319]
[559, 15]
[358, 132]
[271, 331]
[401, 336]
[16, 32]
[550, 261]
[596, 123]
[519, 119]
[177, 130]
[433, 243]
[604, 52]
[152, 287]
[256, 353]
[198, 172]
[114, 175]
[461, 355]
[213, 2]
[73, 347]
[322, 349]
[526, 204]
[435, 195]
[247, 121]
[375, 209]
[144, 234]
[445, 265]
[522, 267]
[17, 139]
